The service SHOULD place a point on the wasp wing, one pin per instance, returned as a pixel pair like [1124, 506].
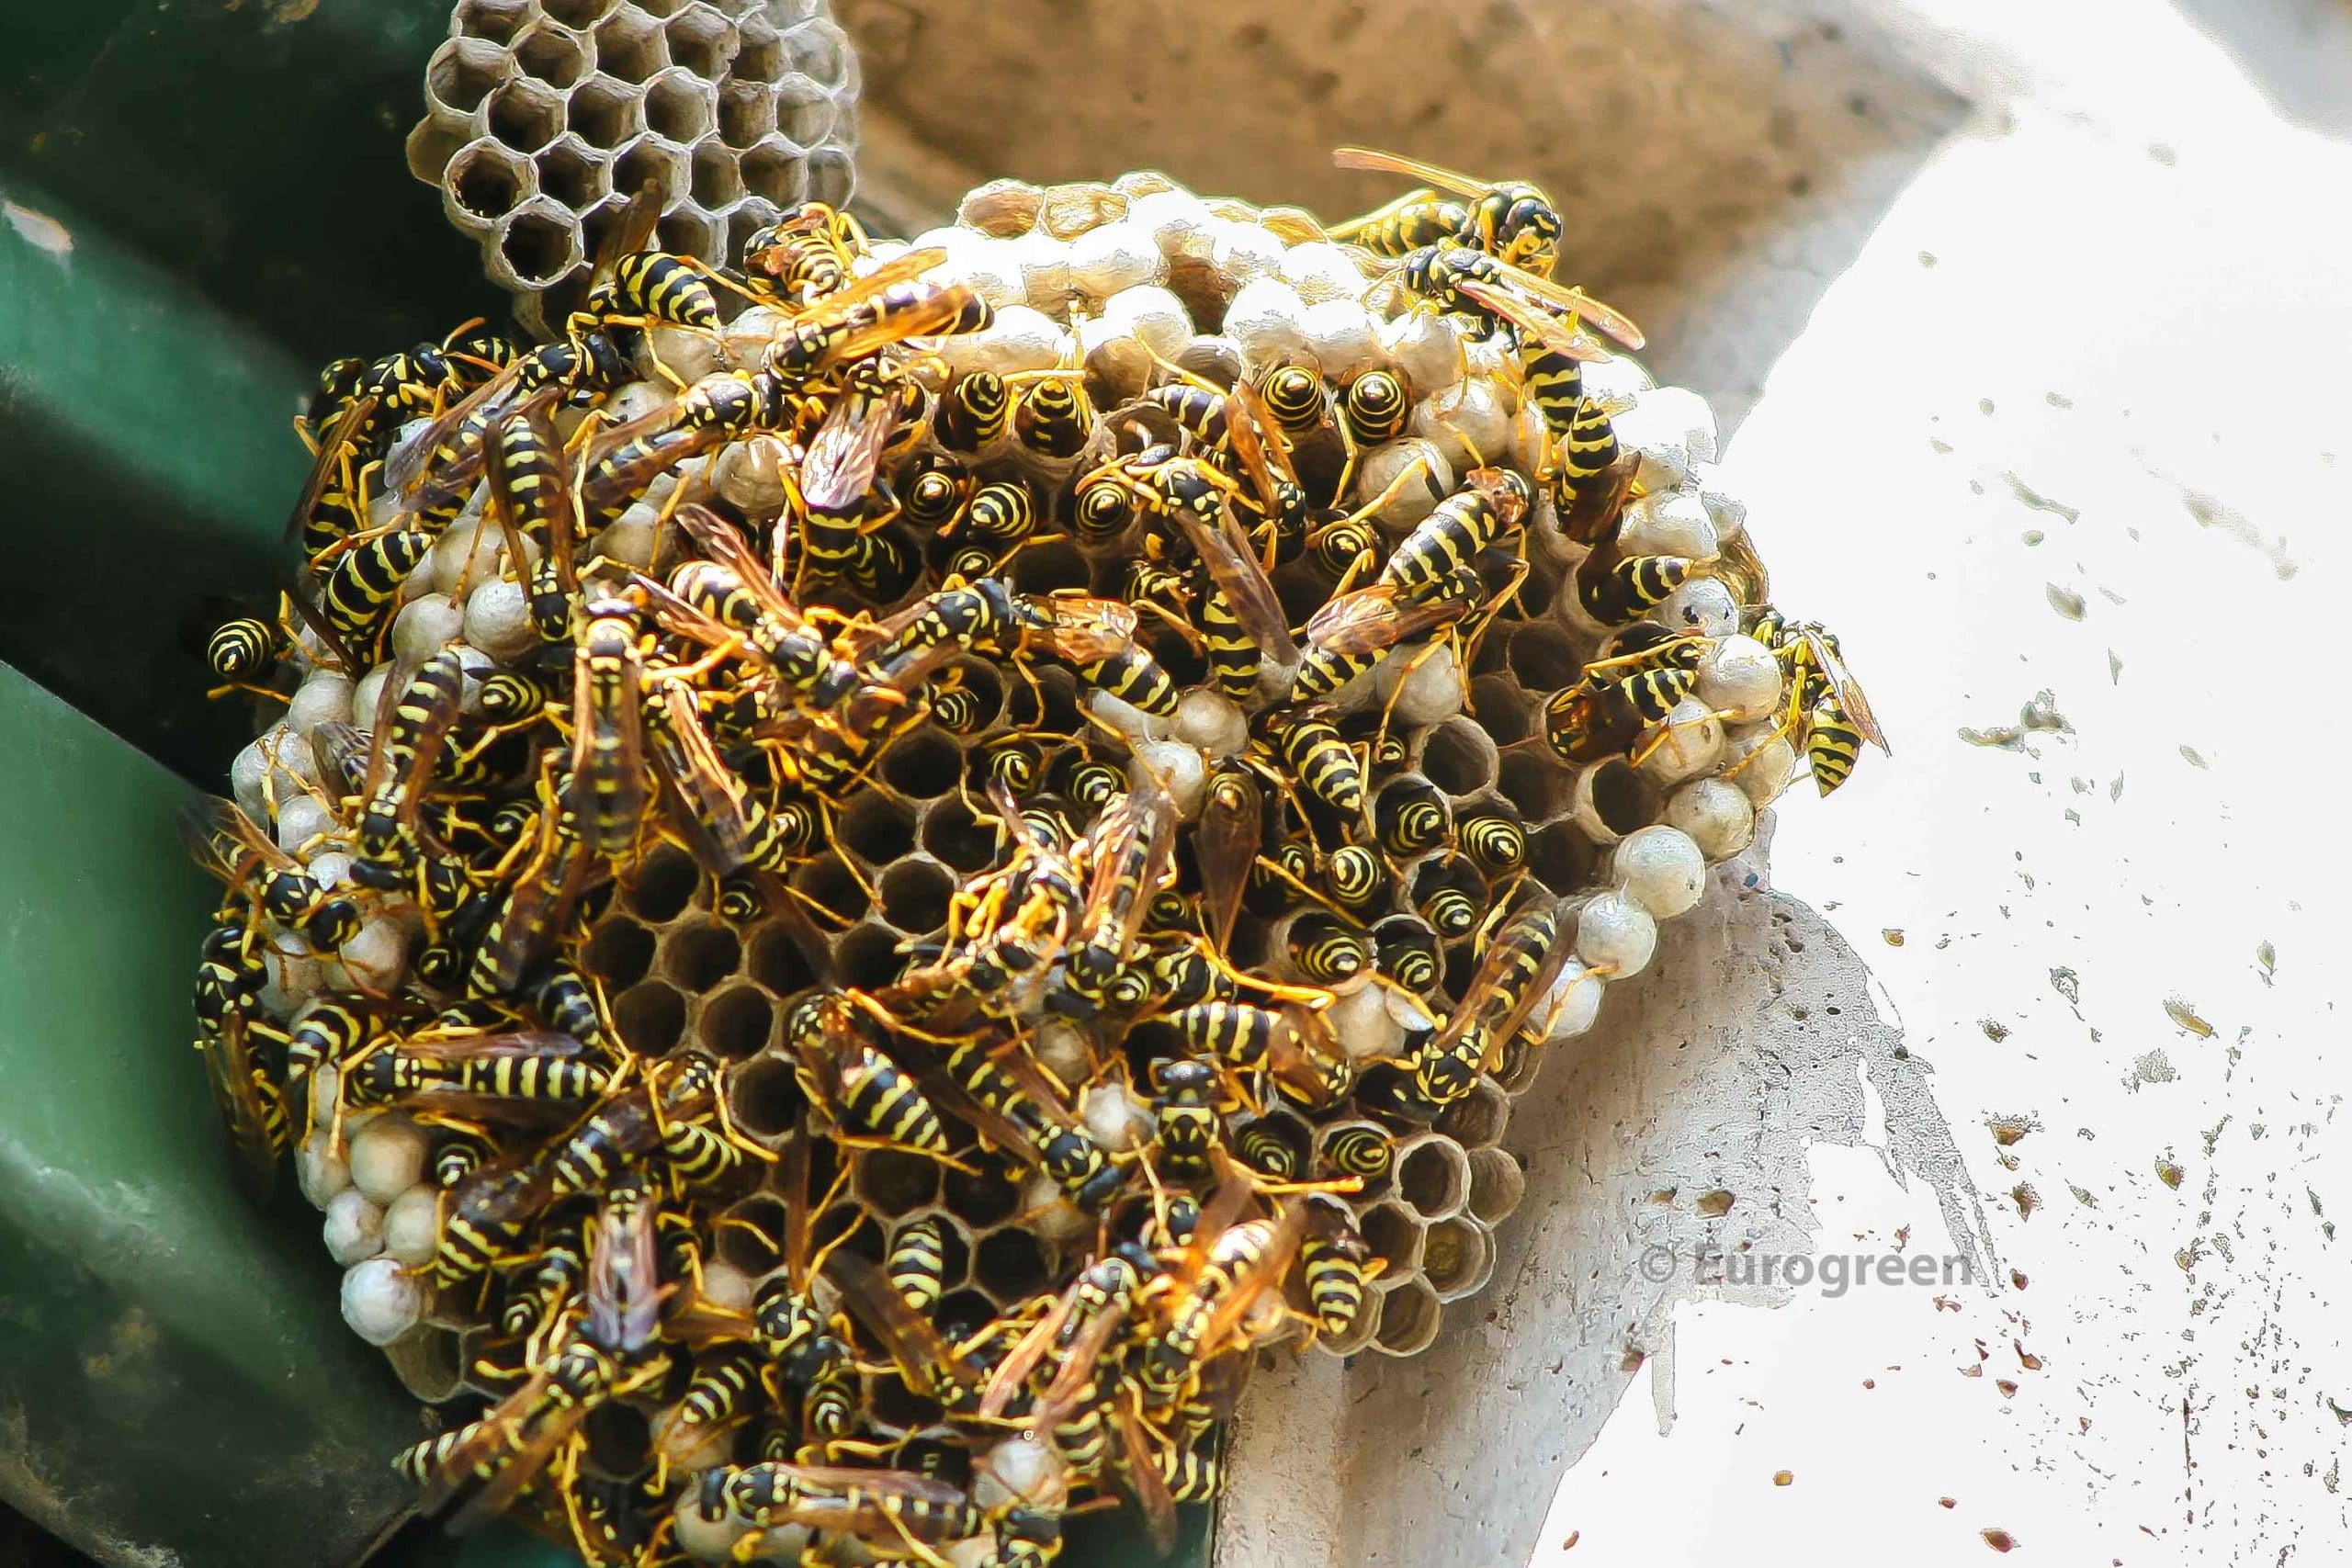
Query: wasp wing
[1226, 846]
[236, 1093]
[1084, 629]
[1575, 302]
[1849, 691]
[838, 472]
[1373, 160]
[923, 1354]
[1144, 1474]
[1225, 549]
[725, 543]
[712, 819]
[1563, 333]
[327, 460]
[1376, 617]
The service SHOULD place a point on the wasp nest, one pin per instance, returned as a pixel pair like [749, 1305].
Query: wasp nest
[542, 117]
[999, 1015]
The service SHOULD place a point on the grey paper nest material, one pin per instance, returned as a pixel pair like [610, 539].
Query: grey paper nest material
[543, 116]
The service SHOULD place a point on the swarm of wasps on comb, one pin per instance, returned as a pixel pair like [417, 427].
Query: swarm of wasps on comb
[872, 866]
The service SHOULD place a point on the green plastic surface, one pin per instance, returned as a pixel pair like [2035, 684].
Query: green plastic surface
[175, 1376]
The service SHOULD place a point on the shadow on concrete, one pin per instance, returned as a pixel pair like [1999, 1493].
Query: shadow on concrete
[1683, 1122]
[1720, 164]
[2297, 53]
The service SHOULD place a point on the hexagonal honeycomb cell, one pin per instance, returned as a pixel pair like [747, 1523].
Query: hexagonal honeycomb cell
[734, 111]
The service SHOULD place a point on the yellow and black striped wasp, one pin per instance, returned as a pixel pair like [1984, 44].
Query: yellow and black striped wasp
[645, 287]
[228, 844]
[1644, 672]
[892, 1515]
[724, 826]
[469, 1073]
[1515, 976]
[1511, 220]
[1281, 1034]
[1334, 1265]
[1130, 852]
[621, 463]
[352, 414]
[433, 471]
[808, 1345]
[838, 499]
[1352, 632]
[1052, 419]
[1255, 440]
[1225, 847]
[804, 256]
[531, 495]
[609, 1351]
[992, 1083]
[1194, 495]
[1458, 280]
[551, 872]
[1824, 702]
[837, 1035]
[1303, 747]
[1489, 504]
[732, 603]
[607, 765]
[418, 708]
[245, 1091]
[888, 305]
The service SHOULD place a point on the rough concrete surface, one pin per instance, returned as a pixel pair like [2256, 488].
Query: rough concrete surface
[2053, 325]
[1733, 156]
[1684, 1121]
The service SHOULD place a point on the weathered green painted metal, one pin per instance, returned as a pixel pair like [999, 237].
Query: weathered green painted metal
[229, 182]
[175, 1382]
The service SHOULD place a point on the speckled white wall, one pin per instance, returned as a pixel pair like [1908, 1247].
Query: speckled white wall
[2072, 423]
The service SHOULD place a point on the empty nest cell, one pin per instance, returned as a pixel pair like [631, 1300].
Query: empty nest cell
[650, 1016]
[664, 883]
[553, 55]
[1497, 1182]
[489, 180]
[893, 1183]
[619, 952]
[629, 45]
[1408, 1319]
[524, 114]
[736, 1022]
[494, 21]
[702, 40]
[579, 13]
[574, 173]
[679, 106]
[538, 243]
[461, 74]
[698, 957]
[775, 169]
[604, 112]
[764, 1098]
[915, 895]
